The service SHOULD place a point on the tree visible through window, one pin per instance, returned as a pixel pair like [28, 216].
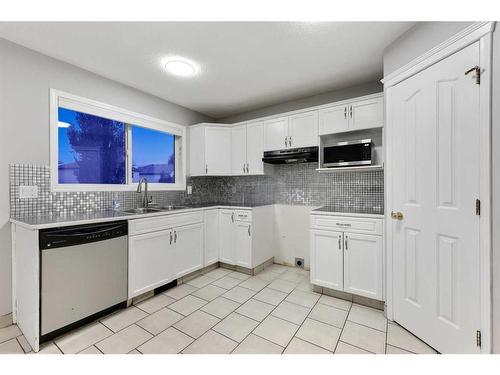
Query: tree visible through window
[92, 149]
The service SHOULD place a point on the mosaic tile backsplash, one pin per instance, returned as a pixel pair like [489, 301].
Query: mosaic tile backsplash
[298, 184]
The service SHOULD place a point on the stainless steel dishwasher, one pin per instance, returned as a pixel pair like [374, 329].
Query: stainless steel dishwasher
[83, 274]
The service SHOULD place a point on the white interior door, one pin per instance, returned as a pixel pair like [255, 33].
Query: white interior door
[238, 149]
[434, 120]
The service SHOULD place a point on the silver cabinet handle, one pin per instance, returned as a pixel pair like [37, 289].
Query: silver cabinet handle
[175, 236]
[350, 111]
[249, 233]
[340, 242]
[248, 168]
[243, 167]
[346, 241]
[206, 168]
[345, 113]
[286, 140]
[232, 217]
[170, 237]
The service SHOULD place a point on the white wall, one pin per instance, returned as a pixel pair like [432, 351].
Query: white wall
[292, 234]
[25, 79]
[419, 39]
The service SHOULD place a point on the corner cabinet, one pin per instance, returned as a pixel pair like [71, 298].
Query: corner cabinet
[347, 254]
[355, 114]
[210, 150]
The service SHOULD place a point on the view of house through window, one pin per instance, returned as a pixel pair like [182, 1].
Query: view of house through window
[93, 150]
[153, 155]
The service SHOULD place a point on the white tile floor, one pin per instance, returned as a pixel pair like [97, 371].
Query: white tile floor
[229, 312]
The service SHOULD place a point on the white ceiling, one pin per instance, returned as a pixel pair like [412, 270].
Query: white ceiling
[244, 65]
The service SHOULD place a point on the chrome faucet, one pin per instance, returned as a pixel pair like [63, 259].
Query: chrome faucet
[145, 199]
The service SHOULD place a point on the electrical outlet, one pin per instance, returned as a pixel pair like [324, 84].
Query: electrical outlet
[28, 191]
[299, 262]
[189, 190]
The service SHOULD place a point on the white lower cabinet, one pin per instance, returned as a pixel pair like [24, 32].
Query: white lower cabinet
[363, 267]
[161, 256]
[150, 262]
[243, 244]
[345, 260]
[211, 237]
[188, 249]
[227, 250]
[327, 259]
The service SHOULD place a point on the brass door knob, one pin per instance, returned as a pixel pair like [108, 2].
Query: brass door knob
[397, 215]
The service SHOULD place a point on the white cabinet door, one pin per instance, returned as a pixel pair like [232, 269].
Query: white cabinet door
[188, 249]
[327, 259]
[217, 151]
[333, 120]
[211, 237]
[303, 129]
[244, 244]
[151, 260]
[255, 147]
[238, 149]
[366, 114]
[276, 134]
[227, 252]
[363, 265]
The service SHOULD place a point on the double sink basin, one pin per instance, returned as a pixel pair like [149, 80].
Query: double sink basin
[149, 210]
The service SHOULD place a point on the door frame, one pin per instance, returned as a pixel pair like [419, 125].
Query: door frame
[482, 32]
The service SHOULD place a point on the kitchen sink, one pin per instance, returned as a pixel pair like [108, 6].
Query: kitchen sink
[142, 210]
[171, 208]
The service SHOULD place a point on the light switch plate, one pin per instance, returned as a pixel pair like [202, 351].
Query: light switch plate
[189, 190]
[28, 191]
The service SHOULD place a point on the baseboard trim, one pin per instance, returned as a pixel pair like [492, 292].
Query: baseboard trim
[5, 320]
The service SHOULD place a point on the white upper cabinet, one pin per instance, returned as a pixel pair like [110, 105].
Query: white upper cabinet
[210, 150]
[239, 150]
[276, 134]
[366, 114]
[352, 115]
[333, 120]
[247, 148]
[303, 129]
[255, 147]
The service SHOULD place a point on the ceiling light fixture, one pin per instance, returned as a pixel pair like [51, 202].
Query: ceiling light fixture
[180, 66]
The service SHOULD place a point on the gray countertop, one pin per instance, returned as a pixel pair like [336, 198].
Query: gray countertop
[51, 221]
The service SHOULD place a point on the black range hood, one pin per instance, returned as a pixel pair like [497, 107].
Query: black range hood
[291, 156]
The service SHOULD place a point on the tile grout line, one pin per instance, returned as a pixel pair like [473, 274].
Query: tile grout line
[343, 327]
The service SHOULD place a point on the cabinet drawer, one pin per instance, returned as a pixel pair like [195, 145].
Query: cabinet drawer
[351, 224]
[242, 215]
[152, 224]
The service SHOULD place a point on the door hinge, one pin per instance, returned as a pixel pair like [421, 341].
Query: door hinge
[477, 70]
[478, 338]
[478, 207]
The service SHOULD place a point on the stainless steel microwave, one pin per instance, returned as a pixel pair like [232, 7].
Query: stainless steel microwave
[346, 154]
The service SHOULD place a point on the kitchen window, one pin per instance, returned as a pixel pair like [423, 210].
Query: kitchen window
[96, 147]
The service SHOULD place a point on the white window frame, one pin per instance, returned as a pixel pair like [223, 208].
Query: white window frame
[59, 98]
